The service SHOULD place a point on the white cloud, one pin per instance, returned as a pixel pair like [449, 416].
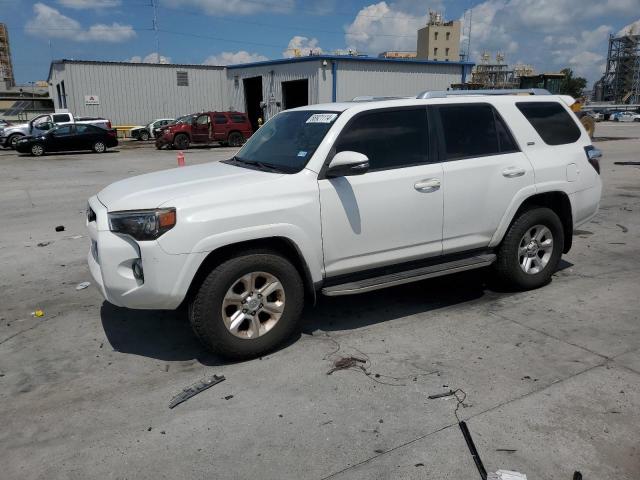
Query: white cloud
[304, 45]
[234, 58]
[235, 7]
[631, 29]
[151, 58]
[86, 4]
[50, 23]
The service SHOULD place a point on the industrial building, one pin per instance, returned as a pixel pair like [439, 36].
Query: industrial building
[135, 93]
[621, 81]
[439, 40]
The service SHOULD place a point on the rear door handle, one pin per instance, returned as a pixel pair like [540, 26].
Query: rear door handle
[427, 185]
[513, 172]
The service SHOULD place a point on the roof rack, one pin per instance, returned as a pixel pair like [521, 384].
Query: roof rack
[510, 91]
[370, 98]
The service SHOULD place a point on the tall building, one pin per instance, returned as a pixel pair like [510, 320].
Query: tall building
[439, 40]
[6, 69]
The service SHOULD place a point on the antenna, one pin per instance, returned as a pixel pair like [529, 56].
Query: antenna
[155, 29]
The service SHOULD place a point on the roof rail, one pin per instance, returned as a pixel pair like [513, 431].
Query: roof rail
[509, 91]
[370, 98]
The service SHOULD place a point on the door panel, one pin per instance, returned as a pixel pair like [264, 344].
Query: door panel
[200, 130]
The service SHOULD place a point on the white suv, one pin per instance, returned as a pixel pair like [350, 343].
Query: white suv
[345, 198]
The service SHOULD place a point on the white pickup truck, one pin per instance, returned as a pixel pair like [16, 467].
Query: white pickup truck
[346, 198]
[40, 124]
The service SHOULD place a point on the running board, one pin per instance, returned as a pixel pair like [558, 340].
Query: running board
[409, 276]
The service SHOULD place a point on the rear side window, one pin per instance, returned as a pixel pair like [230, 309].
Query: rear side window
[220, 118]
[62, 117]
[474, 130]
[238, 119]
[552, 122]
[81, 128]
[389, 138]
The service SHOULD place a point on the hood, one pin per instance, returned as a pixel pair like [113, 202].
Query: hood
[16, 126]
[155, 189]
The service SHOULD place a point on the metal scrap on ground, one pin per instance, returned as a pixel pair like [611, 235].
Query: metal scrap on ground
[195, 389]
[344, 363]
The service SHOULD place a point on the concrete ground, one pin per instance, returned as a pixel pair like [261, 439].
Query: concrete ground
[552, 375]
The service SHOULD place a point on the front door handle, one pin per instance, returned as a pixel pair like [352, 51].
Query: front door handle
[513, 172]
[428, 185]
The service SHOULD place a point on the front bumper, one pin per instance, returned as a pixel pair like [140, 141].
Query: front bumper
[162, 140]
[111, 258]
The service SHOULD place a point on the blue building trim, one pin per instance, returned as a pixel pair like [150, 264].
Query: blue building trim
[347, 58]
[334, 77]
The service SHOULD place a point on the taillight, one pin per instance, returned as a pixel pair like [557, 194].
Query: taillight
[108, 123]
[593, 155]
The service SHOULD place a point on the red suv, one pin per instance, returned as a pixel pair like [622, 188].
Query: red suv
[227, 128]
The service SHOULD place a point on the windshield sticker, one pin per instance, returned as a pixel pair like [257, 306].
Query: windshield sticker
[322, 118]
[302, 153]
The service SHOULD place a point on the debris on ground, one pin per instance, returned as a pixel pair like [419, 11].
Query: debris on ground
[344, 363]
[507, 450]
[228, 397]
[450, 393]
[60, 228]
[474, 453]
[83, 285]
[506, 475]
[38, 313]
[44, 244]
[75, 237]
[195, 389]
[624, 229]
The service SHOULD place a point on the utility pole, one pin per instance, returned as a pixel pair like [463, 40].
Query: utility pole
[154, 5]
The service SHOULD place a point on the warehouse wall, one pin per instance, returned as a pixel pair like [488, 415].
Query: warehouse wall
[131, 94]
[272, 83]
[357, 78]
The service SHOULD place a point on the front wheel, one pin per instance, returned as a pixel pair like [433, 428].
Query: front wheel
[530, 251]
[99, 147]
[181, 142]
[144, 136]
[248, 305]
[235, 139]
[37, 150]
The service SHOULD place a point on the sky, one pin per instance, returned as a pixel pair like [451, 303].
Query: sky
[548, 34]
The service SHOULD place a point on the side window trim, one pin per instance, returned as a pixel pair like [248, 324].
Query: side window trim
[331, 154]
[498, 118]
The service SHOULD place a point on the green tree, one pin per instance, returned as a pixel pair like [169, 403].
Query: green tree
[571, 85]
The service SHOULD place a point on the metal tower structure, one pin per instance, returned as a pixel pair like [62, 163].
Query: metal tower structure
[621, 81]
[6, 67]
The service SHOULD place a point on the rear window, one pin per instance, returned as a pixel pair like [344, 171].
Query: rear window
[474, 130]
[552, 122]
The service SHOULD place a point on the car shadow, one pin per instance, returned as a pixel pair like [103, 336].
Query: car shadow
[166, 335]
[69, 153]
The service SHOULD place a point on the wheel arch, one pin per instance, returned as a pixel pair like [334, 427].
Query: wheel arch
[557, 201]
[282, 245]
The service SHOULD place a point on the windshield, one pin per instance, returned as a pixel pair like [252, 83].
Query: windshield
[184, 119]
[288, 140]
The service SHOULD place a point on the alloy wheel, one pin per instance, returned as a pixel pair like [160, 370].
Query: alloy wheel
[253, 305]
[535, 249]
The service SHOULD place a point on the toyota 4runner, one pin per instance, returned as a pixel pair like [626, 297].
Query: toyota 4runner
[345, 198]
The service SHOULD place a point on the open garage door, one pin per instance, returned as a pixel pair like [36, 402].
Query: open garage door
[295, 93]
[252, 99]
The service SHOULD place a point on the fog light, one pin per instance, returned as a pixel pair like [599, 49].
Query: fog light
[137, 269]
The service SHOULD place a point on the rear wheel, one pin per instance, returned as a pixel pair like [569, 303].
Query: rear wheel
[181, 142]
[13, 139]
[235, 139]
[99, 147]
[248, 305]
[144, 136]
[37, 150]
[530, 251]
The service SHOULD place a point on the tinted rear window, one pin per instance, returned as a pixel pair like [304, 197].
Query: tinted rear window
[552, 122]
[238, 118]
[469, 131]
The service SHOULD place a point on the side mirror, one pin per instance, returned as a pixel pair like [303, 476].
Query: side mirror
[348, 163]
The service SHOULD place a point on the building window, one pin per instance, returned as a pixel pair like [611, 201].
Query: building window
[435, 35]
[183, 79]
[446, 51]
[64, 95]
[448, 35]
[59, 96]
[435, 52]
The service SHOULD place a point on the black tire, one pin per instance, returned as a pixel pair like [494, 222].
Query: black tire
[507, 266]
[205, 309]
[235, 139]
[99, 147]
[181, 141]
[37, 149]
[11, 141]
[144, 136]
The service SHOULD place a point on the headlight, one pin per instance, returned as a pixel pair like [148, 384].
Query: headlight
[143, 224]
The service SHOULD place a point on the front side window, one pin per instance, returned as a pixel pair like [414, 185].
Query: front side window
[287, 141]
[469, 131]
[552, 122]
[203, 120]
[389, 138]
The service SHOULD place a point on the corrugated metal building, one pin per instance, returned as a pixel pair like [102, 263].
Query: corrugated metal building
[135, 93]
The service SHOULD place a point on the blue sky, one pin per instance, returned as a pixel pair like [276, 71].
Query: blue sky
[550, 34]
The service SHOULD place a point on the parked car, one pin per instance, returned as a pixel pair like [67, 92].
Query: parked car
[626, 117]
[144, 133]
[4, 123]
[10, 135]
[613, 115]
[67, 138]
[345, 198]
[227, 128]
